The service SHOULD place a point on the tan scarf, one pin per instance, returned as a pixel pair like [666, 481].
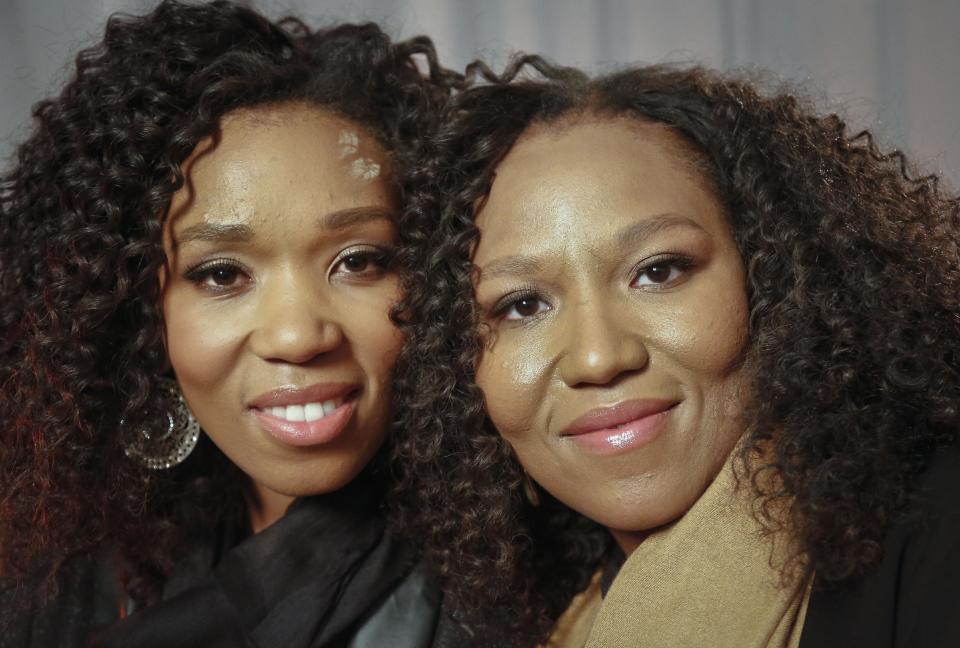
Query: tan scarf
[711, 578]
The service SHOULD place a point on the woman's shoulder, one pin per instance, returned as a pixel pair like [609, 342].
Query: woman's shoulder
[912, 598]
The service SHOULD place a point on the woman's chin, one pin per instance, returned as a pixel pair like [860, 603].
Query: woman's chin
[632, 511]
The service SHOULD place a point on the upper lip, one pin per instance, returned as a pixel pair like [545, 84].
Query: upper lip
[603, 418]
[293, 395]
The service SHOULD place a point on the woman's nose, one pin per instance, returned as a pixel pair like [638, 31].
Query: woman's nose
[294, 325]
[600, 345]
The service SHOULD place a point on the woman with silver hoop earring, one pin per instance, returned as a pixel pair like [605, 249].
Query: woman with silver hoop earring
[197, 349]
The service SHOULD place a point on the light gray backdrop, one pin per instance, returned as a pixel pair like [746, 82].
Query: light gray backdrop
[886, 64]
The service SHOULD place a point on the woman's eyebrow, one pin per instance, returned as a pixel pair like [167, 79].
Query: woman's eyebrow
[214, 232]
[632, 234]
[517, 264]
[638, 232]
[242, 233]
[344, 218]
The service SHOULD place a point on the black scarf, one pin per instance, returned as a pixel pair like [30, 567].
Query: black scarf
[305, 582]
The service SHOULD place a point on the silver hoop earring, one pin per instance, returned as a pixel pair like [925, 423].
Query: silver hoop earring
[158, 450]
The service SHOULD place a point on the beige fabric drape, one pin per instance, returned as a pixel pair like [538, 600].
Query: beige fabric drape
[712, 578]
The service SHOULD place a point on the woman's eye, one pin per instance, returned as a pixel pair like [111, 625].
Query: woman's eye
[361, 262]
[218, 276]
[523, 308]
[661, 273]
[223, 277]
[356, 262]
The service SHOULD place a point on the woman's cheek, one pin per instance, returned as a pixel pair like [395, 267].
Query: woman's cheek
[704, 333]
[367, 321]
[199, 336]
[513, 377]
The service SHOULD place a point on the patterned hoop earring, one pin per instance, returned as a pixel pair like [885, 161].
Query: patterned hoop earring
[158, 451]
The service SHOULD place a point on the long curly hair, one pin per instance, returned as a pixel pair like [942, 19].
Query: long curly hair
[81, 212]
[854, 330]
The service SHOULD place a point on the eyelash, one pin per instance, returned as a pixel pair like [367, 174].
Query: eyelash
[675, 261]
[200, 273]
[508, 302]
[379, 256]
[678, 262]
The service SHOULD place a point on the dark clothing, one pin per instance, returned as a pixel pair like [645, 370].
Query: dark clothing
[87, 597]
[324, 576]
[912, 598]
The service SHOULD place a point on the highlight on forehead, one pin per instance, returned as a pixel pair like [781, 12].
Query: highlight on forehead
[689, 156]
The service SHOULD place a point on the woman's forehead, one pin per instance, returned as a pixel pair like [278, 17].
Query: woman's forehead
[606, 170]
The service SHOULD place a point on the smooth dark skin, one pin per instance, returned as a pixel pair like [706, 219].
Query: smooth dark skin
[285, 309]
[578, 212]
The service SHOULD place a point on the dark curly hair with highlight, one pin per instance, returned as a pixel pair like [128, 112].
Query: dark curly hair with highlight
[81, 211]
[853, 281]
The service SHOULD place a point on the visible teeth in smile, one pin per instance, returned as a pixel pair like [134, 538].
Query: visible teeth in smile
[307, 412]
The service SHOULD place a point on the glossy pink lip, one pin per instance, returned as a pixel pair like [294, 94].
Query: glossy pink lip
[608, 430]
[306, 433]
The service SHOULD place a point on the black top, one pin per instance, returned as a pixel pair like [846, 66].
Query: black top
[912, 598]
[324, 576]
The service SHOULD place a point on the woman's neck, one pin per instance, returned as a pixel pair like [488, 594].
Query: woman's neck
[266, 507]
[628, 540]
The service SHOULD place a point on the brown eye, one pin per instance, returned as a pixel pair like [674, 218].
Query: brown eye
[524, 308]
[356, 262]
[527, 307]
[223, 277]
[658, 274]
[370, 263]
[662, 272]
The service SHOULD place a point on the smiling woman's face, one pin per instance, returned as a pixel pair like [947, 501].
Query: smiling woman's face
[615, 298]
[275, 298]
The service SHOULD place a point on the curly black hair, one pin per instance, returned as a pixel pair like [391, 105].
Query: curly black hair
[853, 281]
[81, 212]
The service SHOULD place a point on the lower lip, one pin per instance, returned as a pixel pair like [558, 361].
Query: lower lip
[307, 433]
[624, 437]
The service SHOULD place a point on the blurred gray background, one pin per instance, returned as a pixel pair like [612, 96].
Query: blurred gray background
[888, 65]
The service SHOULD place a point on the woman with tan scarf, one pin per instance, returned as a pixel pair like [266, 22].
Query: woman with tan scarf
[682, 360]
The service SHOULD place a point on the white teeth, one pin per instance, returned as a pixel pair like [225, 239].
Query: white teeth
[307, 412]
[313, 411]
